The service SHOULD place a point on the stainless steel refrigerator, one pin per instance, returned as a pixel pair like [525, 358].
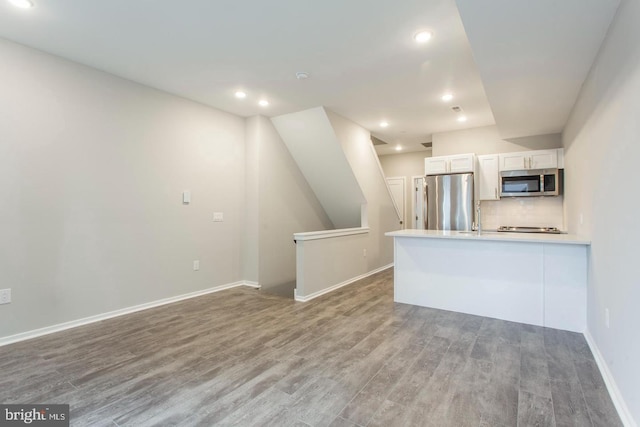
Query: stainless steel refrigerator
[449, 202]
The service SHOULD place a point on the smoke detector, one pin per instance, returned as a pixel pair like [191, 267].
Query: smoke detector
[301, 75]
[456, 109]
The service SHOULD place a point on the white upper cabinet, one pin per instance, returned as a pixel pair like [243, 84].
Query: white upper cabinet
[459, 163]
[544, 159]
[513, 161]
[435, 165]
[539, 159]
[488, 177]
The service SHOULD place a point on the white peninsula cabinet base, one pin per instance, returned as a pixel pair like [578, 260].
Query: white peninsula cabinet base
[538, 279]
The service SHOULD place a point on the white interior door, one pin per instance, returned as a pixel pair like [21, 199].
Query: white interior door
[417, 202]
[397, 186]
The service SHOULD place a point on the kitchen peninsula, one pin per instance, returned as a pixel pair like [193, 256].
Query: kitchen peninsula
[538, 279]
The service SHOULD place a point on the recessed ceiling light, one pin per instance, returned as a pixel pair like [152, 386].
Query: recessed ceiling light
[384, 124]
[241, 95]
[447, 97]
[301, 75]
[263, 103]
[462, 118]
[398, 147]
[22, 4]
[422, 36]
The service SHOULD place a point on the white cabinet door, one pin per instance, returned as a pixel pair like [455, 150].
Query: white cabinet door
[514, 161]
[435, 165]
[488, 177]
[539, 159]
[449, 164]
[461, 163]
[544, 159]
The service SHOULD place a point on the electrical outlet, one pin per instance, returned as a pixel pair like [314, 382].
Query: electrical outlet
[606, 317]
[196, 265]
[218, 217]
[5, 296]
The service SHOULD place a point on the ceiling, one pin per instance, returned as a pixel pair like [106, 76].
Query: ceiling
[533, 57]
[520, 67]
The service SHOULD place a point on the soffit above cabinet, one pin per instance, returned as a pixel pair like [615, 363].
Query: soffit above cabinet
[533, 57]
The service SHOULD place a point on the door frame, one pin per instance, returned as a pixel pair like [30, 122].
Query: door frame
[414, 223]
[404, 198]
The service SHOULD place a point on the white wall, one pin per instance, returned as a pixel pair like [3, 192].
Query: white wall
[404, 164]
[327, 262]
[250, 248]
[286, 205]
[602, 149]
[92, 169]
[381, 213]
[312, 142]
[487, 140]
[324, 263]
[407, 165]
[526, 212]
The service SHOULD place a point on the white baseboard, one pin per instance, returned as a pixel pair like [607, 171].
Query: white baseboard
[251, 284]
[339, 285]
[97, 318]
[614, 392]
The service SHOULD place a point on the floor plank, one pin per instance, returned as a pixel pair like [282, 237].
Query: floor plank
[353, 358]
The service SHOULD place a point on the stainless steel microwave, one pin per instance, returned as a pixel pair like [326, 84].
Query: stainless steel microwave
[531, 182]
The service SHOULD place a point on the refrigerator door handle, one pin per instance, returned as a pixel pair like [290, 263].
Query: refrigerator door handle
[425, 211]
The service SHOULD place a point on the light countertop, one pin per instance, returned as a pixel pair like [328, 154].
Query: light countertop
[567, 239]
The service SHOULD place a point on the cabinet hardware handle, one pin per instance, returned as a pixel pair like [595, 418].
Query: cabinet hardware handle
[529, 162]
[524, 162]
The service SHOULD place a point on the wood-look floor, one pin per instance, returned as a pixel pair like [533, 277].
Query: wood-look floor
[350, 358]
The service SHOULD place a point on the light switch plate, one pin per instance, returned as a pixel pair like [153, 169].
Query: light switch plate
[218, 217]
[186, 197]
[196, 265]
[5, 296]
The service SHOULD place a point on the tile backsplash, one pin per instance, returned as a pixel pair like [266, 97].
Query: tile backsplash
[524, 212]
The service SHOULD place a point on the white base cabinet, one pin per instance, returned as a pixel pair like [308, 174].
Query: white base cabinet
[543, 284]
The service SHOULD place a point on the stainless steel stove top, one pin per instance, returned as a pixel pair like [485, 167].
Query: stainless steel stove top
[513, 229]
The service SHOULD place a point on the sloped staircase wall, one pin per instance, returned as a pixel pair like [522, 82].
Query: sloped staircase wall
[313, 143]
